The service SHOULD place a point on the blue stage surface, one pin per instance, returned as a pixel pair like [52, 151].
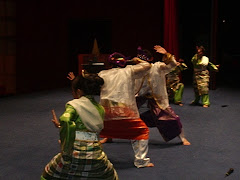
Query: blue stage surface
[29, 139]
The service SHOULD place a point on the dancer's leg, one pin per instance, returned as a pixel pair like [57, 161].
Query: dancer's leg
[140, 148]
[183, 139]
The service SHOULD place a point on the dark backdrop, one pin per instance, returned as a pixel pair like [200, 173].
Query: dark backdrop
[51, 33]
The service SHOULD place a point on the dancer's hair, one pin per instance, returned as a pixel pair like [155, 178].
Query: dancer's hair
[90, 84]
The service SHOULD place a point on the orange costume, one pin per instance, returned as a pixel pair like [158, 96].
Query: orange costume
[124, 127]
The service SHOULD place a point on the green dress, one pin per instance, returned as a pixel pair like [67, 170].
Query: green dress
[174, 86]
[81, 156]
[201, 78]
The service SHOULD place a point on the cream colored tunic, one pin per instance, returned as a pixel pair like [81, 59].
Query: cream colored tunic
[154, 83]
[119, 86]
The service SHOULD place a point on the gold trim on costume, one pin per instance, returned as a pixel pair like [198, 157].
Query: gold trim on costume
[167, 58]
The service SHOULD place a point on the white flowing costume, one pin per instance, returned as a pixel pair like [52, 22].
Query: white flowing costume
[118, 89]
[156, 76]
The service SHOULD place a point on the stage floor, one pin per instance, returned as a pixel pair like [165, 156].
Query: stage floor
[29, 140]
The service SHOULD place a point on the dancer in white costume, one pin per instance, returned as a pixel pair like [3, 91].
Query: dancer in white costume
[152, 89]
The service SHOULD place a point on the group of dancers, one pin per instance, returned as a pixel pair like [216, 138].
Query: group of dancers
[201, 66]
[86, 124]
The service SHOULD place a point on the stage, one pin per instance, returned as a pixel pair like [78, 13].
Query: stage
[29, 139]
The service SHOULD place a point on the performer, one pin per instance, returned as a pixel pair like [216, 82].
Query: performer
[117, 96]
[152, 89]
[118, 99]
[201, 64]
[81, 156]
[175, 88]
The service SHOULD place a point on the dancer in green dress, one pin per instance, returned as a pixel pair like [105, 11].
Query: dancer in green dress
[175, 87]
[201, 65]
[81, 156]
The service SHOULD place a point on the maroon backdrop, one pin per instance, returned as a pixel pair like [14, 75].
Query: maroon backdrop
[43, 55]
[170, 36]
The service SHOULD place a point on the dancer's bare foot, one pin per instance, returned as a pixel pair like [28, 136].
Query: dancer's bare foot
[186, 142]
[150, 165]
[103, 140]
[106, 140]
[205, 106]
[179, 103]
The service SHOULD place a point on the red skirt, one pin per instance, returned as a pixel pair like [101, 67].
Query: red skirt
[122, 126]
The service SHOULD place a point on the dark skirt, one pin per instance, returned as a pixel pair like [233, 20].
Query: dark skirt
[167, 122]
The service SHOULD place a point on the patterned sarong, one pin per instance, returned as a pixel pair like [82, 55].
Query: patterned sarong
[88, 161]
[201, 82]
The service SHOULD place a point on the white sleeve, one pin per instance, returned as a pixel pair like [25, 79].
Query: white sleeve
[204, 61]
[141, 69]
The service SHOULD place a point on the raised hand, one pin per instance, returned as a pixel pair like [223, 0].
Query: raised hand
[55, 119]
[160, 49]
[71, 76]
